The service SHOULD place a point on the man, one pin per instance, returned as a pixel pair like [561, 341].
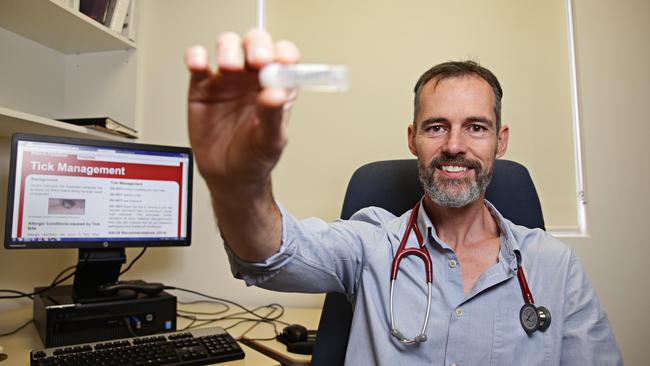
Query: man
[238, 132]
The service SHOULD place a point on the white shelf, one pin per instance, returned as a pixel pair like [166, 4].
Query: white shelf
[13, 121]
[58, 27]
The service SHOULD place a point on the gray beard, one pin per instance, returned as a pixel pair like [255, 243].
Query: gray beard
[453, 193]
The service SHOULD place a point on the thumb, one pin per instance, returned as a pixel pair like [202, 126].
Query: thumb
[273, 107]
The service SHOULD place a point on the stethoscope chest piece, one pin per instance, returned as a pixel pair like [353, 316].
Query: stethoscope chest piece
[534, 318]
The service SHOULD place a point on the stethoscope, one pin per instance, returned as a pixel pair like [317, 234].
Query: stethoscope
[532, 317]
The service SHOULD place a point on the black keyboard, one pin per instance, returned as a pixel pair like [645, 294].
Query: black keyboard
[194, 347]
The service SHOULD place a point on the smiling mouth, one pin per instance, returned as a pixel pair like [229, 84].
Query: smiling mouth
[453, 168]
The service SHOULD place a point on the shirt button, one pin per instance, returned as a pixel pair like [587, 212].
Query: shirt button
[452, 263]
[460, 312]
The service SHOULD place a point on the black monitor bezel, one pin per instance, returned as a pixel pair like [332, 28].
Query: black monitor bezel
[10, 244]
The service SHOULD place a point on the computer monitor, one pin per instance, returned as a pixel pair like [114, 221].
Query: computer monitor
[99, 197]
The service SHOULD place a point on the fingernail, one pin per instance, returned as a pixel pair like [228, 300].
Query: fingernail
[197, 56]
[229, 57]
[261, 53]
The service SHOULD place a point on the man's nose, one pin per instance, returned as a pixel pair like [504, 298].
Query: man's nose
[455, 143]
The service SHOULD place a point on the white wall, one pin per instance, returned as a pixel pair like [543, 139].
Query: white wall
[614, 82]
[613, 48]
[386, 46]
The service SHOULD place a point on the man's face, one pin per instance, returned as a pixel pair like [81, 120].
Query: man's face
[455, 140]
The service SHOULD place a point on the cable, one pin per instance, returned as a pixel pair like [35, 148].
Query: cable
[272, 323]
[134, 260]
[226, 307]
[22, 294]
[57, 281]
[225, 301]
[275, 330]
[62, 272]
[236, 316]
[260, 318]
[17, 329]
[191, 318]
[53, 284]
[269, 319]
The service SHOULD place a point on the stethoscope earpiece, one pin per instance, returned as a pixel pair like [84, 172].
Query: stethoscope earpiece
[421, 338]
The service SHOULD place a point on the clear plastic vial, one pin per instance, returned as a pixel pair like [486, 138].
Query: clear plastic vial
[312, 77]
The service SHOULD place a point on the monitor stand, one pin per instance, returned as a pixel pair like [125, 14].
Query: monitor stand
[96, 267]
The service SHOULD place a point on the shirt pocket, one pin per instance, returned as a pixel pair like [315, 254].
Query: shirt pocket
[510, 343]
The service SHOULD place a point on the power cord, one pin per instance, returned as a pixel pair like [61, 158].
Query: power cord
[270, 318]
[17, 329]
[56, 281]
[21, 294]
[134, 260]
[62, 272]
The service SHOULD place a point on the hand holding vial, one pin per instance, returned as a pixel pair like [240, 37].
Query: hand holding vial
[238, 129]
[238, 112]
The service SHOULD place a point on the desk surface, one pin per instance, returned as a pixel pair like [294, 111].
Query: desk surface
[17, 346]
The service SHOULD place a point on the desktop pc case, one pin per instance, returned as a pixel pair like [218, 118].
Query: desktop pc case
[61, 321]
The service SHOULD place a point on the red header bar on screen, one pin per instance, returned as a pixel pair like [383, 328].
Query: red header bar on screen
[71, 165]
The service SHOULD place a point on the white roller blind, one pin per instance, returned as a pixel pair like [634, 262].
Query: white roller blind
[387, 44]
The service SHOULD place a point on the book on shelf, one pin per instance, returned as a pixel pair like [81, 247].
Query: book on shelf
[95, 9]
[104, 124]
[116, 14]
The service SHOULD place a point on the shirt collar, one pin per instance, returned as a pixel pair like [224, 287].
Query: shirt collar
[508, 243]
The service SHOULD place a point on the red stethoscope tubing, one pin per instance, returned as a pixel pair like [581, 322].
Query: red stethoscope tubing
[523, 284]
[422, 252]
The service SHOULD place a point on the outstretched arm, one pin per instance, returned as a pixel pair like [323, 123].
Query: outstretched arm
[238, 132]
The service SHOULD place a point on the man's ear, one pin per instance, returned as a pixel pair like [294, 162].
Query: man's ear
[502, 141]
[411, 139]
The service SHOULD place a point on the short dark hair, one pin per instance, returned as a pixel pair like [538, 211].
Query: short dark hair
[453, 69]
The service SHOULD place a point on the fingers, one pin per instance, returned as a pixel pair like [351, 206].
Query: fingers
[230, 56]
[286, 52]
[196, 59]
[234, 54]
[259, 48]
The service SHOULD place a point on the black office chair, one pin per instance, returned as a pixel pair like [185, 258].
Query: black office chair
[394, 186]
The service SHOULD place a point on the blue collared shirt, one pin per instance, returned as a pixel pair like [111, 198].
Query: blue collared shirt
[481, 328]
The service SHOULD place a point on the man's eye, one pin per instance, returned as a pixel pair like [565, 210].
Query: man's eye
[478, 129]
[435, 128]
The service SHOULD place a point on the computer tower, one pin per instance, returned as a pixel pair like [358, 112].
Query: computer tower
[61, 320]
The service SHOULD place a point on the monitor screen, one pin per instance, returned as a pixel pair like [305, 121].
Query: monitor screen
[77, 193]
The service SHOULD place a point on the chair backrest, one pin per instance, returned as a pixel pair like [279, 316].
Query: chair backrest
[394, 186]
